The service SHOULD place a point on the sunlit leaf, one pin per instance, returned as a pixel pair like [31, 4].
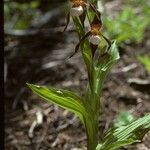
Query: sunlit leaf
[125, 135]
[63, 98]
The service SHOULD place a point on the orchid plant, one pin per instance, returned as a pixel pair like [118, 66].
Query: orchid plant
[87, 107]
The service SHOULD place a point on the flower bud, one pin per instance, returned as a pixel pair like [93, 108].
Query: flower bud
[76, 11]
[94, 39]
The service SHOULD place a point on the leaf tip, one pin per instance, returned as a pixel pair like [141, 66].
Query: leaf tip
[29, 85]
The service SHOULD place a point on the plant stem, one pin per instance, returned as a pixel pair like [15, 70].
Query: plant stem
[92, 122]
[92, 132]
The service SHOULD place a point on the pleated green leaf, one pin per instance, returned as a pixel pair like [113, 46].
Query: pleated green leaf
[106, 61]
[63, 98]
[104, 65]
[117, 144]
[125, 135]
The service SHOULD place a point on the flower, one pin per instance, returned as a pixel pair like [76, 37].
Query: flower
[94, 39]
[94, 35]
[76, 11]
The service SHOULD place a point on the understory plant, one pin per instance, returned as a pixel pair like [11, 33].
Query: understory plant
[145, 60]
[133, 16]
[99, 54]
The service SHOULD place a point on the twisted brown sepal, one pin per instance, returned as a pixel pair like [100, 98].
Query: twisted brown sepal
[78, 45]
[68, 20]
[97, 18]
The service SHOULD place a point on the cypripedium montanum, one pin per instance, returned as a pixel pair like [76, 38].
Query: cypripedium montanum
[78, 9]
[94, 35]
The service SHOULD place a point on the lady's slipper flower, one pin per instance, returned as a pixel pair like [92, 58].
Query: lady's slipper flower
[94, 35]
[94, 39]
[78, 9]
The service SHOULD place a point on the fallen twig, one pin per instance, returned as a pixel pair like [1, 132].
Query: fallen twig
[125, 69]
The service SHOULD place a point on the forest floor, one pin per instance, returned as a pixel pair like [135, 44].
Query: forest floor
[40, 59]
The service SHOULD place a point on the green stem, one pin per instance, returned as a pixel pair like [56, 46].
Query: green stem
[92, 121]
[92, 132]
